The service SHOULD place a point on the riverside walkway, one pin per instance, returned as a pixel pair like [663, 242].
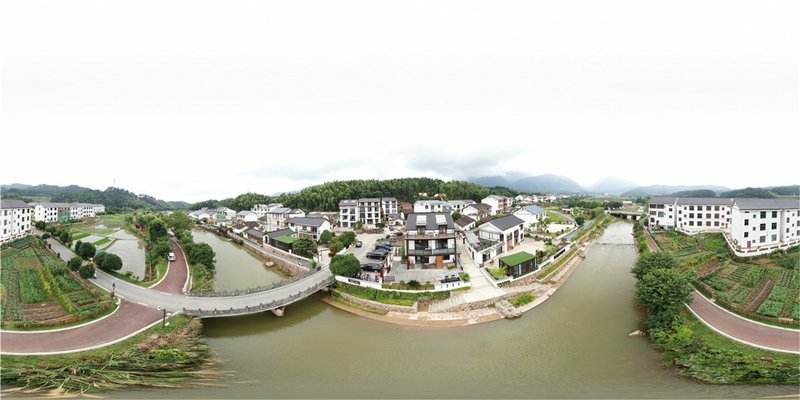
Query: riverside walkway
[735, 327]
[141, 308]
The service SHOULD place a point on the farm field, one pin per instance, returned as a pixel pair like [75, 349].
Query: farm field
[38, 290]
[765, 287]
[108, 233]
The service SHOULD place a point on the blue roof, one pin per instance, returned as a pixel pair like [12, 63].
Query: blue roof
[534, 209]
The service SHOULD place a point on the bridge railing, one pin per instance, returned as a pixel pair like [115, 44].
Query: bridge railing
[260, 306]
[257, 289]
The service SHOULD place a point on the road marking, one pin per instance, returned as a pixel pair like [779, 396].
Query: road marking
[144, 304]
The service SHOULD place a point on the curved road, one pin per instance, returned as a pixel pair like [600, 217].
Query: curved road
[139, 310]
[738, 328]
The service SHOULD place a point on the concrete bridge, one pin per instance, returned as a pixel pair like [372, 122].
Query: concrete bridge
[626, 214]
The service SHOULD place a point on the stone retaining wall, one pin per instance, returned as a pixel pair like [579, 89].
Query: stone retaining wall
[378, 305]
[286, 266]
[483, 303]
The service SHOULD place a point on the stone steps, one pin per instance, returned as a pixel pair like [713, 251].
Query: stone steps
[444, 305]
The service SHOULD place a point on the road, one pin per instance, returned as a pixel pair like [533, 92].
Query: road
[738, 328]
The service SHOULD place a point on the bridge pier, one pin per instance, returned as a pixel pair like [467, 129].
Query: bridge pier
[278, 311]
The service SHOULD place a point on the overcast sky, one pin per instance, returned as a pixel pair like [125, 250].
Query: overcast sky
[189, 100]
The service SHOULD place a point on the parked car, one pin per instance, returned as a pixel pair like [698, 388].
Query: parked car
[171, 256]
[358, 243]
[376, 256]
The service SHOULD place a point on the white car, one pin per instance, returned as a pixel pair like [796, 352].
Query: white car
[171, 256]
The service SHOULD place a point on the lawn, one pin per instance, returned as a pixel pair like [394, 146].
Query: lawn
[555, 218]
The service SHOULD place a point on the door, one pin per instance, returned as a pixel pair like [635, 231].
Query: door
[439, 262]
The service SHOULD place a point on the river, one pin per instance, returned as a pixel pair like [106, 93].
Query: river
[574, 345]
[236, 268]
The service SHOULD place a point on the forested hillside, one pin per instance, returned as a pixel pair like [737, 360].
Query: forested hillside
[112, 198]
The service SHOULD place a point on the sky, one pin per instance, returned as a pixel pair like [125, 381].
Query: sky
[190, 100]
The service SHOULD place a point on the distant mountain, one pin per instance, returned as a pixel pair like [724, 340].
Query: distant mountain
[764, 193]
[696, 193]
[665, 190]
[791, 190]
[112, 198]
[545, 183]
[612, 185]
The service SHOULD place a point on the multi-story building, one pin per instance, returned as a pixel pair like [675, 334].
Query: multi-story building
[368, 211]
[477, 211]
[276, 218]
[761, 226]
[499, 204]
[425, 206]
[15, 219]
[311, 227]
[751, 226]
[430, 240]
[52, 212]
[531, 214]
[458, 205]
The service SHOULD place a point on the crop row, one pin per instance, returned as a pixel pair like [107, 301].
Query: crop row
[717, 282]
[754, 275]
[739, 273]
[789, 279]
[770, 308]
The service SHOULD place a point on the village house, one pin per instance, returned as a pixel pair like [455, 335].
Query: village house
[430, 240]
[311, 227]
[15, 219]
[478, 211]
[499, 204]
[532, 215]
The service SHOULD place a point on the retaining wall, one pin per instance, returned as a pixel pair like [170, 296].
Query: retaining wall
[378, 305]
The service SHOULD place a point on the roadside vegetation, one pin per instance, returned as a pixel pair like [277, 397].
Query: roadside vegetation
[766, 288]
[663, 285]
[391, 297]
[40, 290]
[200, 256]
[158, 358]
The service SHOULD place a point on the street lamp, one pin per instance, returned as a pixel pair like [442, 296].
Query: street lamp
[164, 318]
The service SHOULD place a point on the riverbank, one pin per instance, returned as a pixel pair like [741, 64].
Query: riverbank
[167, 357]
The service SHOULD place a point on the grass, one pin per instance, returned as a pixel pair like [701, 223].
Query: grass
[390, 297]
[555, 218]
[554, 266]
[173, 358]
[102, 241]
[522, 300]
[338, 298]
[498, 273]
[107, 311]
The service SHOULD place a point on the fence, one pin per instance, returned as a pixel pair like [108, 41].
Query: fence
[257, 289]
[261, 306]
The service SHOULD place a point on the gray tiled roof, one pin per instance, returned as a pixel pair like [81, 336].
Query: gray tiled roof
[429, 219]
[254, 233]
[663, 200]
[507, 222]
[308, 221]
[768, 204]
[12, 203]
[464, 221]
[348, 203]
[704, 201]
[533, 209]
[280, 232]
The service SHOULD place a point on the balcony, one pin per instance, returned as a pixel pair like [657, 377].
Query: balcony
[431, 252]
[431, 236]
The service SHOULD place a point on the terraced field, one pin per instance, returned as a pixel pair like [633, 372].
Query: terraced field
[38, 290]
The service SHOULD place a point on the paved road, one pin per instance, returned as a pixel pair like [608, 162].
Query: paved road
[138, 310]
[738, 328]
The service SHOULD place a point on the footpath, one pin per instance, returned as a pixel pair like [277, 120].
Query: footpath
[736, 327]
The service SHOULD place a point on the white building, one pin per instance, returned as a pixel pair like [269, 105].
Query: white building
[508, 230]
[430, 240]
[477, 211]
[690, 214]
[275, 219]
[15, 219]
[246, 216]
[52, 212]
[424, 206]
[532, 215]
[498, 203]
[458, 205]
[308, 226]
[368, 211]
[761, 226]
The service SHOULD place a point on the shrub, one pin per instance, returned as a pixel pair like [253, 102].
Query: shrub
[522, 300]
[464, 276]
[86, 271]
[74, 263]
[413, 284]
[112, 262]
[98, 259]
[345, 265]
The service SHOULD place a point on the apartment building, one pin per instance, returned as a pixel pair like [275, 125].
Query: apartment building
[424, 206]
[52, 212]
[311, 227]
[368, 211]
[277, 217]
[15, 219]
[430, 240]
[764, 225]
[498, 204]
[690, 214]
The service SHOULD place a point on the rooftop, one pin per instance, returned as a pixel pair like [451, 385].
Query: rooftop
[9, 203]
[768, 204]
[308, 221]
[517, 258]
[431, 221]
[533, 209]
[507, 222]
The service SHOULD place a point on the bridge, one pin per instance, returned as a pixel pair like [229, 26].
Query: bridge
[143, 307]
[627, 214]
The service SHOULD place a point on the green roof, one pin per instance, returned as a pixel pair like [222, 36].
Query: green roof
[285, 239]
[517, 258]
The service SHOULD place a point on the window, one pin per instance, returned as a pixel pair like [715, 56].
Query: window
[746, 222]
[708, 223]
[708, 216]
[763, 227]
[708, 208]
[716, 215]
[763, 214]
[762, 239]
[774, 225]
[691, 215]
[774, 237]
[747, 234]
[716, 208]
[691, 208]
[691, 223]
[774, 214]
[716, 223]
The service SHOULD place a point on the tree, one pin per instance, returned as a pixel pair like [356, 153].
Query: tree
[579, 220]
[157, 229]
[160, 248]
[652, 261]
[74, 263]
[78, 245]
[98, 258]
[345, 265]
[335, 248]
[663, 291]
[64, 237]
[179, 220]
[347, 238]
[201, 253]
[86, 250]
[40, 225]
[112, 262]
[325, 237]
[86, 271]
[456, 215]
[304, 247]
